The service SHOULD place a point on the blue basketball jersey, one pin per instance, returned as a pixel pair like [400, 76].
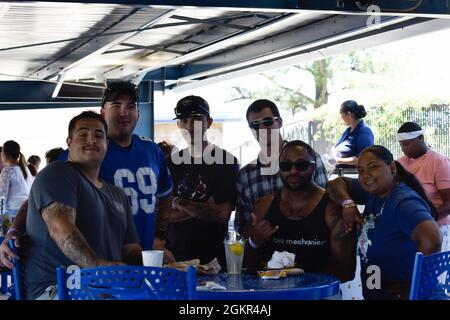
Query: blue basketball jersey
[140, 170]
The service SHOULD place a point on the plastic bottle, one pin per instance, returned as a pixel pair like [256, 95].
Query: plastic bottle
[234, 249]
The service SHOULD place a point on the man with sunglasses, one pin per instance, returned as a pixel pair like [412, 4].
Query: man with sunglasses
[133, 163]
[300, 219]
[257, 179]
[204, 177]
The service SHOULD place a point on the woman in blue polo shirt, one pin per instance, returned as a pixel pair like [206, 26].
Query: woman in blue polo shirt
[355, 138]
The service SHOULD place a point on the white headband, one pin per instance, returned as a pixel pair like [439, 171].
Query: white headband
[409, 135]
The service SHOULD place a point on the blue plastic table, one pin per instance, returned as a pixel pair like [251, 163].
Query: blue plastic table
[310, 286]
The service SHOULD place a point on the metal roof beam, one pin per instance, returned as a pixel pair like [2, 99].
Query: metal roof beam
[311, 37]
[214, 22]
[47, 105]
[430, 8]
[41, 92]
[163, 74]
[248, 4]
[26, 91]
[93, 48]
[287, 21]
[372, 39]
[139, 47]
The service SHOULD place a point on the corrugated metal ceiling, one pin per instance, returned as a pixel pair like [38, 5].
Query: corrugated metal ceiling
[89, 41]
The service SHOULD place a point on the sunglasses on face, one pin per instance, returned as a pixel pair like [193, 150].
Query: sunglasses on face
[300, 165]
[267, 122]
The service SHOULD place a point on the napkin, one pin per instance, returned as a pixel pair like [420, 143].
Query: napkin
[329, 161]
[212, 267]
[281, 260]
[210, 285]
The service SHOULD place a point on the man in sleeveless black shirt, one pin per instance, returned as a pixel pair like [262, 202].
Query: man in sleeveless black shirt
[300, 219]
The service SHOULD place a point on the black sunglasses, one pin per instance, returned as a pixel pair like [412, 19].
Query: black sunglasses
[267, 122]
[300, 165]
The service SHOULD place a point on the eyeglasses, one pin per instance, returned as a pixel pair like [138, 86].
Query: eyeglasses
[267, 122]
[300, 165]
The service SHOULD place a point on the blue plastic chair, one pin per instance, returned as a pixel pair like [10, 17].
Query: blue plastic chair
[4, 275]
[431, 277]
[16, 288]
[127, 283]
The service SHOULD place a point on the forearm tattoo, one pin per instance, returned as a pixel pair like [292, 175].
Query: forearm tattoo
[338, 229]
[75, 247]
[60, 220]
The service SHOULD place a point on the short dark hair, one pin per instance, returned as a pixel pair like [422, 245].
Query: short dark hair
[299, 143]
[409, 127]
[34, 159]
[353, 107]
[260, 104]
[53, 154]
[86, 115]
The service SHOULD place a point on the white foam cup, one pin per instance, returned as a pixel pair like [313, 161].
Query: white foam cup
[152, 258]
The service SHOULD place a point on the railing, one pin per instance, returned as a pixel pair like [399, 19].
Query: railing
[435, 120]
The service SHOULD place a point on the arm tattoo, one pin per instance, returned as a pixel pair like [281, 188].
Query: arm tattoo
[75, 247]
[200, 210]
[60, 220]
[56, 211]
[339, 190]
[338, 229]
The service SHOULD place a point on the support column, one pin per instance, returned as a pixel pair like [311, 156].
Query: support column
[145, 126]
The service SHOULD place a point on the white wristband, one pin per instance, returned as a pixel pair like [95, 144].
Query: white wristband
[12, 230]
[251, 243]
[174, 203]
[349, 203]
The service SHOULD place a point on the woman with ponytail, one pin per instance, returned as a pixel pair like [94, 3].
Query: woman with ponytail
[15, 178]
[398, 220]
[355, 138]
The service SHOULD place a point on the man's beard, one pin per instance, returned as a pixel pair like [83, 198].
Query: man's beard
[303, 184]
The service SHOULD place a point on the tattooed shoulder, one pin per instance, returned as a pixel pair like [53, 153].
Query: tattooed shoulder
[58, 210]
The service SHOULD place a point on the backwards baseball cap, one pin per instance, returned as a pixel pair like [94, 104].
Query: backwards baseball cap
[191, 106]
[115, 89]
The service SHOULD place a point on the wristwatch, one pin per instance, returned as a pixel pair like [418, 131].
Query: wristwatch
[349, 203]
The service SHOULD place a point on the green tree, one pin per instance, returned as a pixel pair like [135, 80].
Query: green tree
[300, 95]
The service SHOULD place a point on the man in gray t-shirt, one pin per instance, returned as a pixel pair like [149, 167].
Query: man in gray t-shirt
[75, 218]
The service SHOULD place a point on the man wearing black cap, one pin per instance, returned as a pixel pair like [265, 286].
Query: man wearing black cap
[133, 163]
[204, 195]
